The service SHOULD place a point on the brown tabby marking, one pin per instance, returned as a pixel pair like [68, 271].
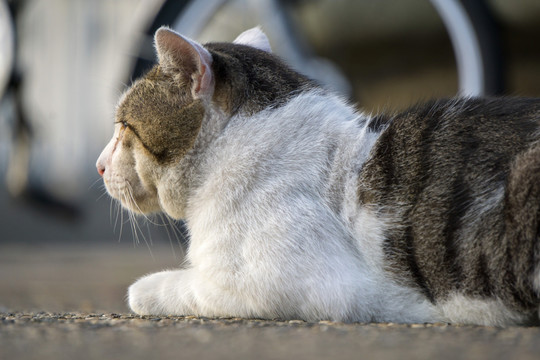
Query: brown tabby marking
[436, 163]
[160, 112]
[250, 80]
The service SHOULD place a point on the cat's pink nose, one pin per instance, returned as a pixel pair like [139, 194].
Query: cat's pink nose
[100, 169]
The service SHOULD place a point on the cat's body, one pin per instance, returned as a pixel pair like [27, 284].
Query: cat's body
[299, 207]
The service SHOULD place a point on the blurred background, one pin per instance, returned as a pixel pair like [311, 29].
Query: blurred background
[63, 244]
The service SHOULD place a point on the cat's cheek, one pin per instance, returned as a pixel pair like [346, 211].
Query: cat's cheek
[145, 170]
[169, 202]
[144, 175]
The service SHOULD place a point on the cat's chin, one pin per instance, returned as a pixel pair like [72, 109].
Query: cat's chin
[135, 203]
[141, 207]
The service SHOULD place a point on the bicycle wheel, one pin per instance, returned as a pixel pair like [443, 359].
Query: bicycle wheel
[191, 18]
[469, 23]
[476, 41]
[169, 11]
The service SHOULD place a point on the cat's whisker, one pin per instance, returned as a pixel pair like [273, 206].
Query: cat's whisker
[127, 200]
[137, 230]
[151, 241]
[134, 232]
[117, 213]
[122, 221]
[102, 195]
[119, 219]
[94, 183]
[134, 204]
[135, 227]
[179, 235]
[111, 210]
[169, 235]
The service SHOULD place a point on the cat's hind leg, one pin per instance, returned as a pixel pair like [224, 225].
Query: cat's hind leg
[523, 224]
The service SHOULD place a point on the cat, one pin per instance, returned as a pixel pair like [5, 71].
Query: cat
[298, 206]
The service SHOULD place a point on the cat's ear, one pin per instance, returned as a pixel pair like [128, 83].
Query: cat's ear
[183, 56]
[254, 37]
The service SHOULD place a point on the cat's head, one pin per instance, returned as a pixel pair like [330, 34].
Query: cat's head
[160, 117]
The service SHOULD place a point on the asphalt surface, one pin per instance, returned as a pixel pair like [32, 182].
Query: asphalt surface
[115, 336]
[68, 302]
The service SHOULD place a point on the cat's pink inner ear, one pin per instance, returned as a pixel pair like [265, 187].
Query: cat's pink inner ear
[182, 55]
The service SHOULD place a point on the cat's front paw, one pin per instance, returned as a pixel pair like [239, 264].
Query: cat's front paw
[143, 295]
[162, 293]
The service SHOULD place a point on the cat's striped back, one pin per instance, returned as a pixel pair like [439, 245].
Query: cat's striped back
[460, 179]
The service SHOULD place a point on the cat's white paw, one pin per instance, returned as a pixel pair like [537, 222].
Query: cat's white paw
[143, 295]
[162, 293]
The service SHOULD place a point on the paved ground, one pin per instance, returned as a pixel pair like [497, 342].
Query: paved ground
[112, 336]
[67, 302]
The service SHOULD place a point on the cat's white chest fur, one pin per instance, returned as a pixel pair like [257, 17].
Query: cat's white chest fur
[274, 235]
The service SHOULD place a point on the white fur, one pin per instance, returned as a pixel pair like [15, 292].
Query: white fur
[461, 309]
[268, 237]
[254, 37]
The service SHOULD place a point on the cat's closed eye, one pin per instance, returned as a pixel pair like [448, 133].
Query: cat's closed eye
[124, 123]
